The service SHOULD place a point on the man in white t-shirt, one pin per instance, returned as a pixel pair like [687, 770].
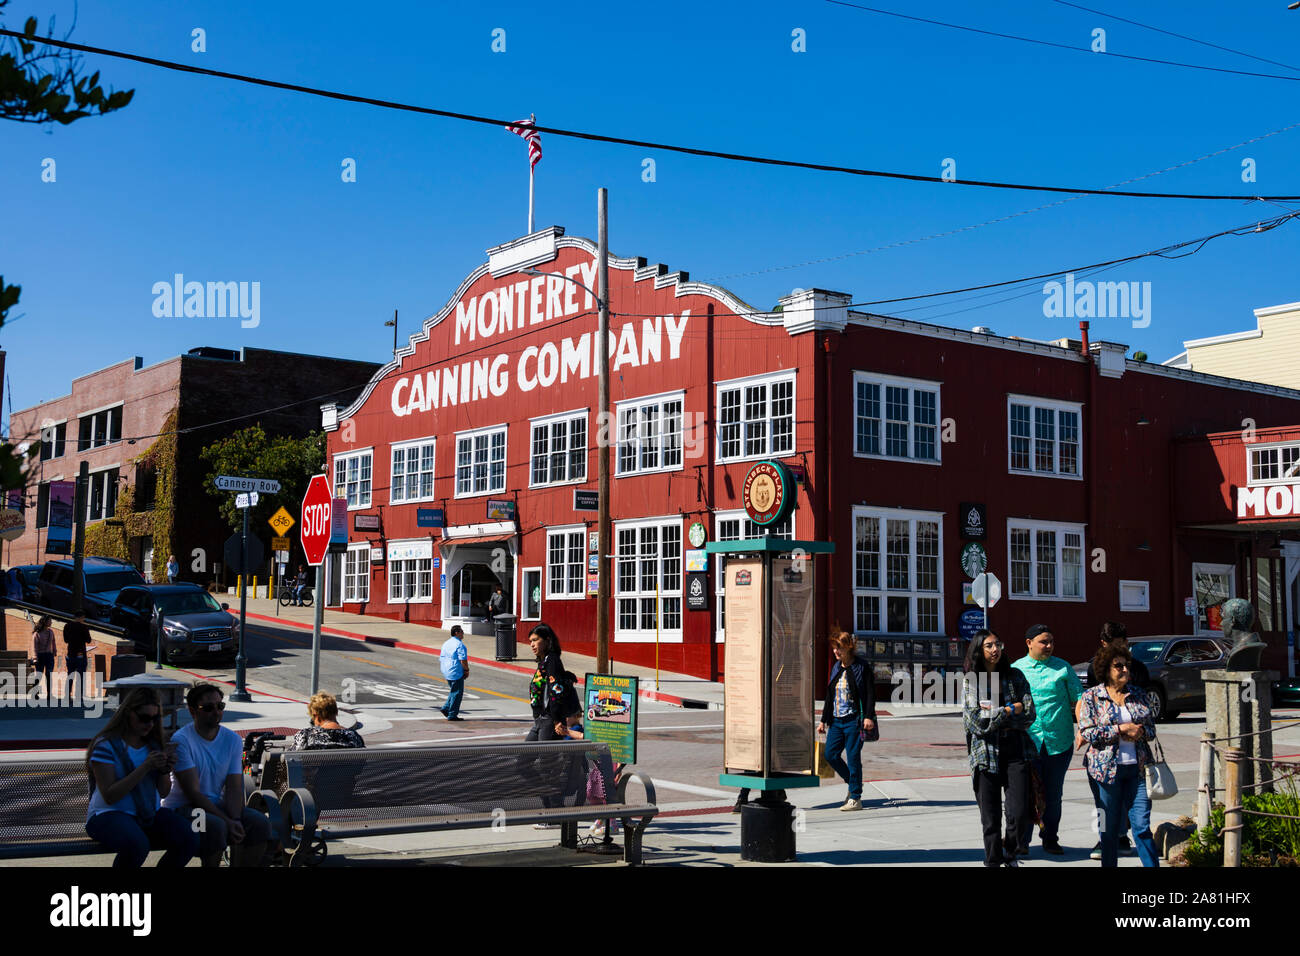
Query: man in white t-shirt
[208, 784]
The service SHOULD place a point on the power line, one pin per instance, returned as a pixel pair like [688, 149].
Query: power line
[1061, 46]
[991, 222]
[1180, 36]
[623, 141]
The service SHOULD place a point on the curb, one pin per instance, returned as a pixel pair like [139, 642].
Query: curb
[654, 695]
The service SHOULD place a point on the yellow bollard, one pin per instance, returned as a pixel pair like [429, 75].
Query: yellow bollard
[239, 586]
[254, 587]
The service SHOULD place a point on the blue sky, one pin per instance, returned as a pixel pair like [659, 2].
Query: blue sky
[226, 182]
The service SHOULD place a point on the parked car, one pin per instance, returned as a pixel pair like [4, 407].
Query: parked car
[194, 625]
[1175, 662]
[1286, 691]
[102, 579]
[29, 575]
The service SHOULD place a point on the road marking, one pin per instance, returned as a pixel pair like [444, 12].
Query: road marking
[484, 690]
[689, 788]
[366, 660]
[430, 676]
[272, 636]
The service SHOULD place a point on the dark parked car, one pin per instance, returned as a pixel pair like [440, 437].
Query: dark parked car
[1287, 691]
[1175, 663]
[29, 575]
[103, 578]
[194, 625]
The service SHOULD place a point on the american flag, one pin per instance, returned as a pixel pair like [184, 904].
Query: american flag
[525, 129]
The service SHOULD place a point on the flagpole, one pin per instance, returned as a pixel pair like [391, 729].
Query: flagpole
[530, 199]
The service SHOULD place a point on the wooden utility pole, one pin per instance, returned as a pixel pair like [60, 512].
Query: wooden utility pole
[605, 436]
[1232, 815]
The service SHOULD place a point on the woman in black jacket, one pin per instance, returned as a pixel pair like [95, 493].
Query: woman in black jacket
[849, 714]
[547, 690]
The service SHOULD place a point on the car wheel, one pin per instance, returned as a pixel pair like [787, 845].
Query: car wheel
[1156, 697]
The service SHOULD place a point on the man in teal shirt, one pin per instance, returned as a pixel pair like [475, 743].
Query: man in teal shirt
[1056, 689]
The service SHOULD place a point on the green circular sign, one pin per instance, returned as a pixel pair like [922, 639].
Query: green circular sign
[537, 593]
[696, 534]
[768, 493]
[974, 560]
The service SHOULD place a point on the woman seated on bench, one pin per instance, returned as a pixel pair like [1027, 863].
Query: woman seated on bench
[325, 732]
[130, 769]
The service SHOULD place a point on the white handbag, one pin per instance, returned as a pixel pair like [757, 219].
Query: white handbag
[1161, 784]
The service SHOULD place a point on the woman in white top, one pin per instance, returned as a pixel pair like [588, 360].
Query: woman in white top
[130, 769]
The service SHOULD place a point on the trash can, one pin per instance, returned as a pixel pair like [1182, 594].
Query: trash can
[125, 665]
[505, 637]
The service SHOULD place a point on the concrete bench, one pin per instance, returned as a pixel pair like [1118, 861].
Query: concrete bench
[338, 793]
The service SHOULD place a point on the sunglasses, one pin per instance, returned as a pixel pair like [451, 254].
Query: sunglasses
[209, 708]
[145, 718]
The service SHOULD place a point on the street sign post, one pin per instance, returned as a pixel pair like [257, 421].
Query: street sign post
[317, 506]
[987, 591]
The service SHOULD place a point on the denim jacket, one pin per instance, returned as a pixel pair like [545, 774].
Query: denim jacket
[1099, 723]
[983, 729]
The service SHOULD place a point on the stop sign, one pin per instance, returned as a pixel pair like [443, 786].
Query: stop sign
[315, 527]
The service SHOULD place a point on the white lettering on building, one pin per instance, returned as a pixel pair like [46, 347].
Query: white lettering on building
[1275, 501]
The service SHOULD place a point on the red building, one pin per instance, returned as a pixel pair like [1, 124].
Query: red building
[1073, 456]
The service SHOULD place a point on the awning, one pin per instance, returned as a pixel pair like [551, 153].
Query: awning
[478, 539]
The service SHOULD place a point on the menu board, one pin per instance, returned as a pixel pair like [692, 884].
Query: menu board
[790, 666]
[743, 690]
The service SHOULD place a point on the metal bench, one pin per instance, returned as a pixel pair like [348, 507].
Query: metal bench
[43, 808]
[344, 792]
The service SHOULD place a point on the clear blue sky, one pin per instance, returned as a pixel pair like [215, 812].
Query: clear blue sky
[223, 181]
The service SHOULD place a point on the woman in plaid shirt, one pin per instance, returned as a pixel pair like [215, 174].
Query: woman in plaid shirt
[997, 709]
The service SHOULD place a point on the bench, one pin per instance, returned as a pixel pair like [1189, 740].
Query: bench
[339, 793]
[43, 808]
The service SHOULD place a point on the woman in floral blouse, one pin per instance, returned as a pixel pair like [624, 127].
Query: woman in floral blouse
[325, 732]
[1116, 721]
[997, 708]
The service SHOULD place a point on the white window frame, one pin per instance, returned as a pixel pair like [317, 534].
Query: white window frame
[547, 421]
[720, 560]
[98, 475]
[1056, 407]
[882, 591]
[91, 413]
[389, 563]
[1143, 600]
[1061, 528]
[912, 385]
[469, 436]
[567, 532]
[768, 379]
[359, 579]
[659, 400]
[1210, 567]
[405, 447]
[341, 490]
[1254, 448]
[640, 635]
[55, 443]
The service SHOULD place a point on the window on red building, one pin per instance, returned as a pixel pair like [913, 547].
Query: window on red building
[756, 418]
[412, 472]
[481, 462]
[565, 557]
[648, 580]
[896, 417]
[650, 434]
[1043, 437]
[1046, 560]
[559, 451]
[1274, 463]
[897, 577]
[352, 478]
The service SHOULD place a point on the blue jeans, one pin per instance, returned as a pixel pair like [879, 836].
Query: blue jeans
[1051, 770]
[1096, 800]
[844, 736]
[123, 833]
[456, 690]
[1127, 796]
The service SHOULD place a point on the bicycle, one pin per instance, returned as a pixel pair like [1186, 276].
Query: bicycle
[286, 595]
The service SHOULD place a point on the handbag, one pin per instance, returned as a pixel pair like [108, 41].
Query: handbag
[824, 769]
[1161, 784]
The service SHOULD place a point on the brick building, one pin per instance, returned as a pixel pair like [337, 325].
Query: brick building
[141, 429]
[891, 428]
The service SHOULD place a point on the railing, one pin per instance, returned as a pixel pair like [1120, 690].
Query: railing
[1284, 772]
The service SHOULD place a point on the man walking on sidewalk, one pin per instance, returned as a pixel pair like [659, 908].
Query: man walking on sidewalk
[454, 660]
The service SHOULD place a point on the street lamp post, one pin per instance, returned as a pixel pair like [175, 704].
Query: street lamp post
[393, 323]
[603, 424]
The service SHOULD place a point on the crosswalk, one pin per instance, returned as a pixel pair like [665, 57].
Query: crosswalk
[364, 689]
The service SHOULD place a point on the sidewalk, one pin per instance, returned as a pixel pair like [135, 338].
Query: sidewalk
[681, 690]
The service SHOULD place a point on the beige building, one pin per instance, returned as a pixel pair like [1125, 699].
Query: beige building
[1268, 353]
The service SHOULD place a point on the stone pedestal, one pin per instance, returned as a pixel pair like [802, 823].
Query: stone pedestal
[1237, 703]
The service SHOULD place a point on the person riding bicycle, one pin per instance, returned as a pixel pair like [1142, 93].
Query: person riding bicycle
[300, 582]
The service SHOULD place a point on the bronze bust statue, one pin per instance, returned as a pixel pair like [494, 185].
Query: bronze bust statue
[1246, 645]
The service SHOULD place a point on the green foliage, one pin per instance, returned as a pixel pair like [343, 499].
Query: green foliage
[112, 538]
[251, 452]
[1262, 837]
[43, 84]
[1139, 356]
[8, 298]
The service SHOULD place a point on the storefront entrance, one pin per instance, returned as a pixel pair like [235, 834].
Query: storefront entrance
[475, 566]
